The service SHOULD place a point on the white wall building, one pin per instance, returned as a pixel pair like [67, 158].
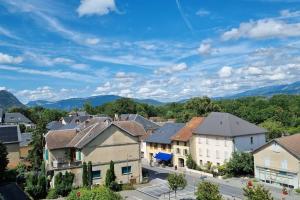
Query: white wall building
[221, 134]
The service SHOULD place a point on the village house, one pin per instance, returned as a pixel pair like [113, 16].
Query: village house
[278, 162]
[181, 141]
[148, 126]
[17, 119]
[221, 134]
[159, 143]
[98, 142]
[10, 136]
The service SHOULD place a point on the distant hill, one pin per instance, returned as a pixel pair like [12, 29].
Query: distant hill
[293, 88]
[69, 104]
[8, 100]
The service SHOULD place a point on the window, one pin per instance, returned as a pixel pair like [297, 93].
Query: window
[201, 162]
[207, 140]
[251, 140]
[151, 145]
[46, 154]
[199, 140]
[184, 143]
[126, 170]
[200, 152]
[96, 174]
[284, 164]
[207, 153]
[217, 141]
[275, 147]
[169, 146]
[267, 162]
[218, 164]
[78, 155]
[155, 145]
[185, 152]
[142, 154]
[177, 142]
[217, 154]
[178, 151]
[163, 146]
[225, 142]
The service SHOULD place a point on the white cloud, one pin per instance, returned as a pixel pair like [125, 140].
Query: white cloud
[80, 66]
[202, 12]
[105, 88]
[225, 72]
[2, 88]
[253, 71]
[289, 14]
[8, 59]
[205, 48]
[96, 7]
[264, 28]
[92, 41]
[7, 33]
[172, 69]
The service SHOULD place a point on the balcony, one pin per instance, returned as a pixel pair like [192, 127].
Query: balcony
[62, 164]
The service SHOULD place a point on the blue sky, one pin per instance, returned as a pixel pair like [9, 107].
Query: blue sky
[165, 50]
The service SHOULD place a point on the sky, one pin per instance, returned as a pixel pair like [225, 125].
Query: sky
[165, 50]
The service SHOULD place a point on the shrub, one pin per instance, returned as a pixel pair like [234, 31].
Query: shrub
[52, 194]
[63, 183]
[297, 190]
[36, 185]
[240, 164]
[84, 175]
[110, 174]
[257, 192]
[114, 186]
[97, 193]
[190, 163]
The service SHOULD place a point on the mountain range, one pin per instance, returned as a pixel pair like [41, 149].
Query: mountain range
[8, 100]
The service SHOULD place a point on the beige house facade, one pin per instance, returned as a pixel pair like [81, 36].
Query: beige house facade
[99, 143]
[277, 162]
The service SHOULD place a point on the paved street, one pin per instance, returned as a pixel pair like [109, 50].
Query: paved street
[158, 187]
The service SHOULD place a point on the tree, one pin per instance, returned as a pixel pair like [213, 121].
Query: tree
[176, 181]
[63, 183]
[275, 129]
[110, 174]
[208, 191]
[190, 163]
[36, 185]
[88, 108]
[35, 155]
[240, 163]
[257, 193]
[3, 157]
[84, 175]
[101, 192]
[89, 174]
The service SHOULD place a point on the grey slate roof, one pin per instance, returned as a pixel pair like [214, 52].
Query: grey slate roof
[54, 125]
[25, 139]
[226, 124]
[9, 134]
[16, 118]
[163, 134]
[147, 124]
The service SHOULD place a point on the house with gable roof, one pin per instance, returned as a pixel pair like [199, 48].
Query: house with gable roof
[98, 142]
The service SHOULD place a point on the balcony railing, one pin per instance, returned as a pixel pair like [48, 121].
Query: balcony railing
[57, 164]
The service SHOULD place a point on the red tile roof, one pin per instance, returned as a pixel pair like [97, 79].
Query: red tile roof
[186, 132]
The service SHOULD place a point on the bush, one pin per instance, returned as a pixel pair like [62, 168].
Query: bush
[190, 163]
[257, 192]
[240, 164]
[52, 194]
[208, 191]
[297, 190]
[36, 185]
[114, 186]
[222, 170]
[63, 183]
[97, 193]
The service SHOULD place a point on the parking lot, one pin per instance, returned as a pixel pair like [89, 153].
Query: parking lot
[159, 189]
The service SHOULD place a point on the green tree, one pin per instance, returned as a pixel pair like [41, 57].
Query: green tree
[110, 174]
[176, 181]
[275, 129]
[63, 183]
[84, 175]
[3, 157]
[88, 108]
[36, 185]
[257, 193]
[35, 155]
[89, 174]
[208, 191]
[190, 163]
[101, 193]
[240, 163]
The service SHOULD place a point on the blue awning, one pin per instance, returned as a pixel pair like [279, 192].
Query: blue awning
[163, 156]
